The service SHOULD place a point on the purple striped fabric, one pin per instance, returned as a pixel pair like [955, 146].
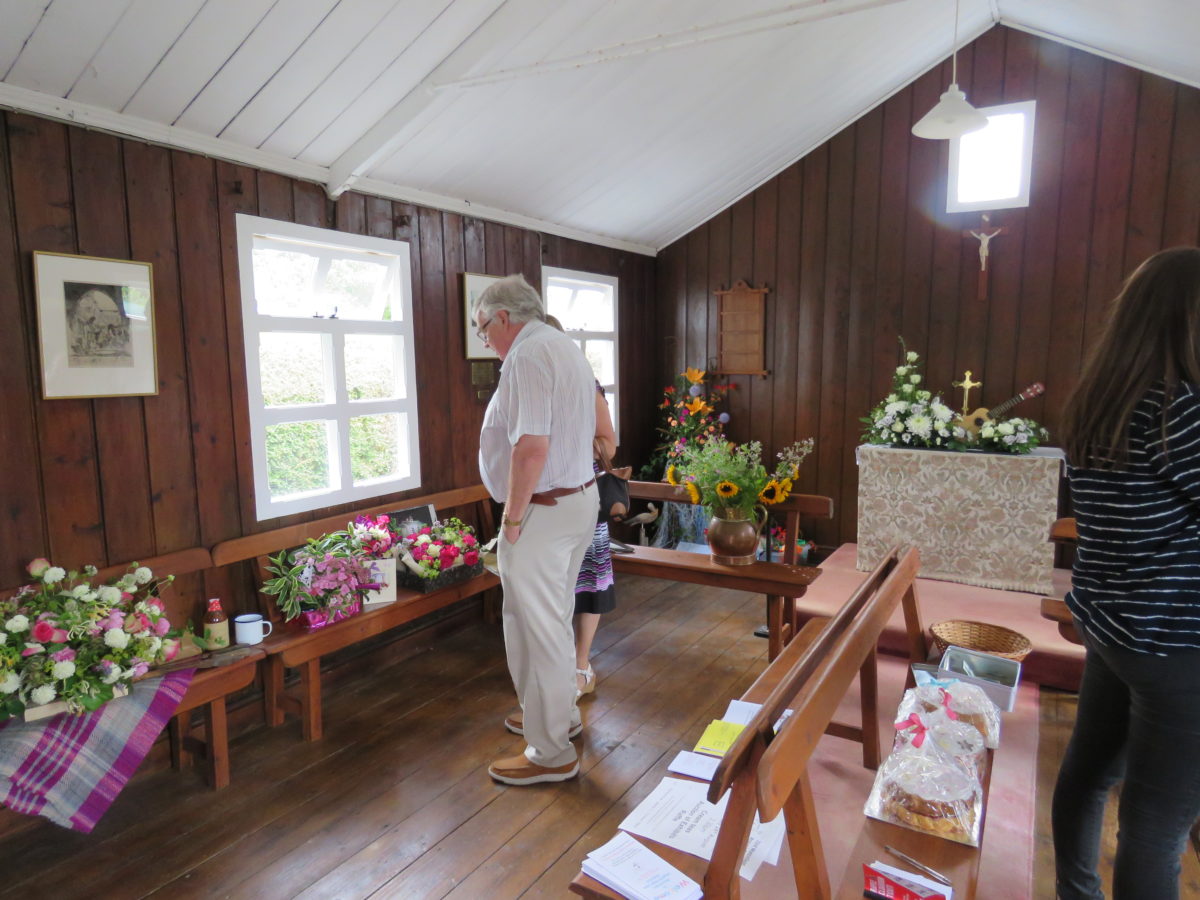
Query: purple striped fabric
[70, 768]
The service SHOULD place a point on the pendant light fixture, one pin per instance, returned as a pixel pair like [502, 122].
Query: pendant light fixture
[953, 116]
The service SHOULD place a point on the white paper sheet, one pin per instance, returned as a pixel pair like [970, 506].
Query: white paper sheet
[697, 765]
[631, 868]
[677, 813]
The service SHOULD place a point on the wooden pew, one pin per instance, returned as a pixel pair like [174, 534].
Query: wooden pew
[290, 647]
[782, 582]
[810, 676]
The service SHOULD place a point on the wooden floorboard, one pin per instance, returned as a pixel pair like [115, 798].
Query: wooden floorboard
[395, 801]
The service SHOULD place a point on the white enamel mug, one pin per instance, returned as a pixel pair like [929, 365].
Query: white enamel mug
[250, 628]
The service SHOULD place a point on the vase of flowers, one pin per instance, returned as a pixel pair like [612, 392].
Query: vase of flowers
[322, 582]
[910, 416]
[733, 482]
[690, 416]
[437, 555]
[67, 644]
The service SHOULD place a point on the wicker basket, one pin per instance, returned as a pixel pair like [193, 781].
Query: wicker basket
[981, 636]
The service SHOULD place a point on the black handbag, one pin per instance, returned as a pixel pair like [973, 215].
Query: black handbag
[613, 487]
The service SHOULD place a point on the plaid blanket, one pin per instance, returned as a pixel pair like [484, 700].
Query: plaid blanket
[70, 768]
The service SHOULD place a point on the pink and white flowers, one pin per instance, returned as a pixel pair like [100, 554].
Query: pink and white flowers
[63, 638]
[445, 545]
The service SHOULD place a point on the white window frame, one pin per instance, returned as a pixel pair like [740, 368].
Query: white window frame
[333, 331]
[953, 204]
[587, 279]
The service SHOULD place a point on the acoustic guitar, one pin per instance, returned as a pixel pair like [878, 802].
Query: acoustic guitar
[972, 422]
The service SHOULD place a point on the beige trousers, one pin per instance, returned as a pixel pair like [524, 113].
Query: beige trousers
[538, 575]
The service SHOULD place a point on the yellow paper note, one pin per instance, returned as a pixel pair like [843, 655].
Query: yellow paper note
[718, 737]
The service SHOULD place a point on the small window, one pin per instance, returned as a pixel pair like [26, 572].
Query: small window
[990, 168]
[327, 318]
[586, 305]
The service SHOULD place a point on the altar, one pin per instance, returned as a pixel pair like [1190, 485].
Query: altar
[977, 518]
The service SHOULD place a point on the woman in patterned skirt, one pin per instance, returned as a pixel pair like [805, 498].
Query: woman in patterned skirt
[595, 591]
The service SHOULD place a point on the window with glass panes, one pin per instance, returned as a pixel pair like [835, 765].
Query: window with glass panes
[586, 305]
[991, 168]
[327, 319]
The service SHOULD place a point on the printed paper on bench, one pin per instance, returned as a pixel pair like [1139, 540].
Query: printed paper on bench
[630, 868]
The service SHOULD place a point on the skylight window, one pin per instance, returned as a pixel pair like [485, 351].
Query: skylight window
[990, 168]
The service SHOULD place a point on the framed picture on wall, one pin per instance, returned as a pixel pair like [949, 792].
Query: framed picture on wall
[95, 326]
[472, 286]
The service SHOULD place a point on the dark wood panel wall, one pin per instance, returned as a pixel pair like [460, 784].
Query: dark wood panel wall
[108, 480]
[856, 247]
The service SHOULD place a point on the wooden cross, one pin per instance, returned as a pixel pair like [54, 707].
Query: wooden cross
[966, 384]
[984, 235]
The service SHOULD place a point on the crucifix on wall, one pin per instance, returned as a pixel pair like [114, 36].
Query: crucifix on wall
[984, 235]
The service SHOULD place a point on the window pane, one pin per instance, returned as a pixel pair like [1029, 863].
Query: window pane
[299, 457]
[581, 307]
[600, 355]
[374, 366]
[283, 280]
[989, 165]
[292, 369]
[359, 289]
[378, 447]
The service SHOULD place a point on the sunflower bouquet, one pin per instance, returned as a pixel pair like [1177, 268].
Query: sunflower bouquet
[732, 479]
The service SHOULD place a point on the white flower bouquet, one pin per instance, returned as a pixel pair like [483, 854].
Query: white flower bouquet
[910, 416]
[1015, 435]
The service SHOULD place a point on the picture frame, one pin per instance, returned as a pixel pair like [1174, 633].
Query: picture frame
[474, 284]
[411, 520]
[95, 326]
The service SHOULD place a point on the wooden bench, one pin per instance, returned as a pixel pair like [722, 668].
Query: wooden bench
[766, 773]
[782, 582]
[290, 647]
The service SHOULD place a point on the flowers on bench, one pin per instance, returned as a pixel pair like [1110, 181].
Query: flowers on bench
[63, 638]
[322, 582]
[439, 554]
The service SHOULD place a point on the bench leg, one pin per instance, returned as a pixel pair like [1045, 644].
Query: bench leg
[177, 731]
[774, 626]
[868, 687]
[273, 691]
[310, 699]
[217, 736]
[804, 841]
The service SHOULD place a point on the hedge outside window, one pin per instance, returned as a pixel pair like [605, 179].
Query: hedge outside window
[330, 372]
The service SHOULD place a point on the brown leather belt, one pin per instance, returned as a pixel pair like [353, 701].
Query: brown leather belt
[548, 498]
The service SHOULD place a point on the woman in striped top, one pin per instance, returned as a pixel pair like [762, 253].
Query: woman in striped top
[1132, 430]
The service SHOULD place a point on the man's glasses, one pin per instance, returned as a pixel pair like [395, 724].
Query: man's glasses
[482, 330]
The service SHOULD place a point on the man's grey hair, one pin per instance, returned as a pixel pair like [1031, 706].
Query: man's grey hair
[513, 294]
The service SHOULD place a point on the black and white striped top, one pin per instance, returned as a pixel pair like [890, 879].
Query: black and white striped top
[1137, 568]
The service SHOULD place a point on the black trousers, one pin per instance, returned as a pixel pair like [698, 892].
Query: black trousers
[1138, 722]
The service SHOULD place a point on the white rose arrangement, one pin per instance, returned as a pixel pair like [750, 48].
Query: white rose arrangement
[910, 416]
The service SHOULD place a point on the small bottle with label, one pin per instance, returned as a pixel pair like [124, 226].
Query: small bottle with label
[216, 626]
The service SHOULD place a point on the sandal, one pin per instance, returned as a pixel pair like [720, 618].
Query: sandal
[589, 681]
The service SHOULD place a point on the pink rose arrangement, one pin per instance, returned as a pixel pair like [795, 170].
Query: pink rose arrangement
[64, 638]
[440, 547]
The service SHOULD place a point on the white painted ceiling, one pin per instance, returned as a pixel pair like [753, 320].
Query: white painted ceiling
[624, 122]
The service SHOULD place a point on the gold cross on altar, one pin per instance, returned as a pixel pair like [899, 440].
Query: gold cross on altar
[966, 384]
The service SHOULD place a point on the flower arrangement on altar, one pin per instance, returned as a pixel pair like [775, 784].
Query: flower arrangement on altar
[440, 548]
[322, 582]
[910, 416]
[63, 638]
[732, 479]
[1015, 435]
[690, 418]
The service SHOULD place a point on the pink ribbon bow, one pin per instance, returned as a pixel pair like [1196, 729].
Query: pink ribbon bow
[946, 698]
[915, 723]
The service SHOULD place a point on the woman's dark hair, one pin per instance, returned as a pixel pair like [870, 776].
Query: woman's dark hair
[1152, 335]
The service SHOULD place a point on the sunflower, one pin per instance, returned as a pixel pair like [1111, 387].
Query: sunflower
[727, 489]
[693, 492]
[672, 478]
[772, 493]
[695, 376]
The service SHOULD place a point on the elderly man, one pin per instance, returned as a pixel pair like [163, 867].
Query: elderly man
[535, 455]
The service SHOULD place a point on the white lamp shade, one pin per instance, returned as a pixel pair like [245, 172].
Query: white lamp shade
[952, 117]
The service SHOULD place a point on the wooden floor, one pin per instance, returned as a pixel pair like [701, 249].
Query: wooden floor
[395, 800]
